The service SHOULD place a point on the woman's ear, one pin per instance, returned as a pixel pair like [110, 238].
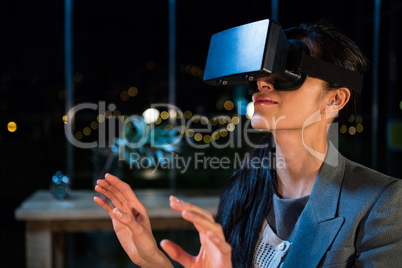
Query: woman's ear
[339, 98]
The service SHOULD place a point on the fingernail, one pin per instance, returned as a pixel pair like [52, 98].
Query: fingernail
[118, 212]
[174, 199]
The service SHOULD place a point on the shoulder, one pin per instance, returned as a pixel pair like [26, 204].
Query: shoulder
[363, 177]
[373, 200]
[363, 187]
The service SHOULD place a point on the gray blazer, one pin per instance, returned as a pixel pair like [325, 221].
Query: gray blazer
[353, 219]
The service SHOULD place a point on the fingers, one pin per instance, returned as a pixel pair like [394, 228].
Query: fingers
[202, 219]
[120, 193]
[141, 237]
[219, 250]
[202, 224]
[119, 190]
[123, 187]
[105, 205]
[179, 205]
[177, 253]
[126, 219]
[137, 230]
[107, 191]
[220, 244]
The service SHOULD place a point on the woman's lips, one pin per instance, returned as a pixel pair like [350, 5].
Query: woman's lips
[264, 101]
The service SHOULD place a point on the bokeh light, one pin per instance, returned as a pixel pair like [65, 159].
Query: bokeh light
[12, 126]
[164, 115]
[124, 96]
[204, 120]
[188, 114]
[108, 114]
[223, 132]
[78, 135]
[352, 130]
[132, 91]
[100, 118]
[116, 113]
[94, 125]
[235, 120]
[207, 139]
[86, 131]
[343, 129]
[359, 128]
[150, 115]
[222, 120]
[230, 127]
[213, 121]
[228, 105]
[250, 110]
[215, 135]
[179, 115]
[196, 118]
[198, 136]
[242, 108]
[172, 113]
[190, 132]
[124, 119]
[182, 129]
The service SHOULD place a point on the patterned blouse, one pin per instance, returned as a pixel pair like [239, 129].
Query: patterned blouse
[278, 231]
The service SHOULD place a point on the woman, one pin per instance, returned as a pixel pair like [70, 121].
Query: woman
[317, 209]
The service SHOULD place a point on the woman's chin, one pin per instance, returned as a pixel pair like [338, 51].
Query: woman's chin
[260, 123]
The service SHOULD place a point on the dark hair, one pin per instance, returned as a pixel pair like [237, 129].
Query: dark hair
[247, 196]
[245, 201]
[326, 43]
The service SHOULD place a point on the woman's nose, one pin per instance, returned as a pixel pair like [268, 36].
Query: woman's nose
[265, 86]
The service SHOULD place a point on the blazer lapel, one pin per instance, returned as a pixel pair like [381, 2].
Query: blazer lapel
[312, 241]
[319, 223]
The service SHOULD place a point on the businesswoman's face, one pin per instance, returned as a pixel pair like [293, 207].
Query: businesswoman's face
[290, 110]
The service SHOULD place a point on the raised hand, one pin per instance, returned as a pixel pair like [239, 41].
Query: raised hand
[215, 251]
[133, 229]
[130, 222]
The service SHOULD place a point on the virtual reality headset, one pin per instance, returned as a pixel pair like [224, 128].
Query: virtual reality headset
[242, 54]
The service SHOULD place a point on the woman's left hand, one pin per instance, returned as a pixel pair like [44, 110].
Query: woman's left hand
[215, 251]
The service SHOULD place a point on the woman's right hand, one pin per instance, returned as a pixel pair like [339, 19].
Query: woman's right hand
[130, 222]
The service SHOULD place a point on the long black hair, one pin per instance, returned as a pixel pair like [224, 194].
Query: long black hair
[245, 201]
[247, 196]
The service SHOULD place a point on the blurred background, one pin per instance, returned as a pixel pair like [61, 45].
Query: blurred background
[122, 57]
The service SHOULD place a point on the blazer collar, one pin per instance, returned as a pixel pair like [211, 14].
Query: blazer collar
[318, 224]
[327, 187]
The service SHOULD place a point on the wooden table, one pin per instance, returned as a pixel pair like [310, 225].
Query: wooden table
[48, 219]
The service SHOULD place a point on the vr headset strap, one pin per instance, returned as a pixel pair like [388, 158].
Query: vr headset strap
[331, 73]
